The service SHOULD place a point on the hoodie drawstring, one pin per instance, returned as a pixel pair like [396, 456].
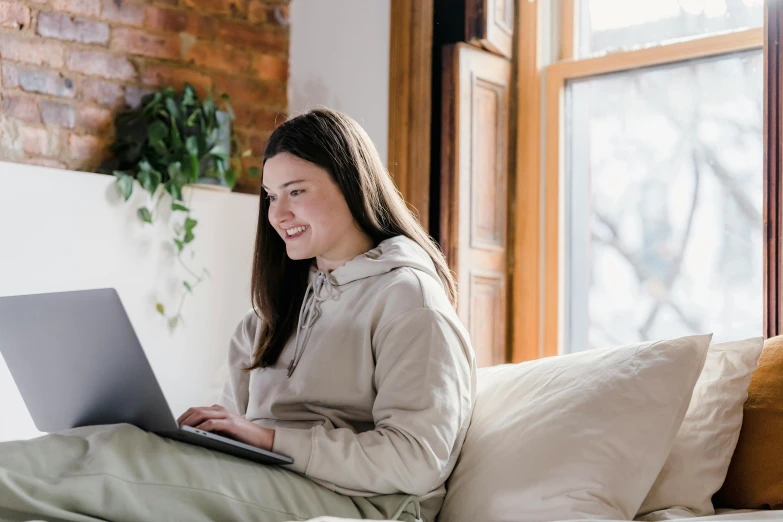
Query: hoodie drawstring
[321, 288]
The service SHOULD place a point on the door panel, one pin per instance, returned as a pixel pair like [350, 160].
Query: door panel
[474, 192]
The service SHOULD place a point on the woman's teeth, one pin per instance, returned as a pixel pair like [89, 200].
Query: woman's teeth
[293, 231]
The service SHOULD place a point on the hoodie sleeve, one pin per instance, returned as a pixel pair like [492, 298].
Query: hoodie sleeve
[424, 382]
[236, 393]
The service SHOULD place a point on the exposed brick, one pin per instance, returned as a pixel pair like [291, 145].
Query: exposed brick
[63, 27]
[36, 141]
[134, 41]
[29, 50]
[248, 35]
[58, 113]
[105, 65]
[259, 12]
[103, 93]
[84, 146]
[217, 57]
[236, 8]
[271, 95]
[22, 108]
[80, 7]
[256, 118]
[166, 76]
[268, 67]
[133, 95]
[178, 20]
[94, 119]
[14, 14]
[10, 76]
[123, 12]
[45, 82]
[44, 162]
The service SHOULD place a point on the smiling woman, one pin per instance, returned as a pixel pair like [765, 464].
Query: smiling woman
[352, 362]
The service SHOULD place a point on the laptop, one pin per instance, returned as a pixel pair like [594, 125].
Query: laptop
[77, 362]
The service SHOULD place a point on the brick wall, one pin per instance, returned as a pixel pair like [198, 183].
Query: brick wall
[67, 66]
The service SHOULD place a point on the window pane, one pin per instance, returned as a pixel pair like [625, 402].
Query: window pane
[607, 25]
[664, 192]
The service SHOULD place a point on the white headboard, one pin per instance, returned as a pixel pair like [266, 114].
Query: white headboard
[62, 230]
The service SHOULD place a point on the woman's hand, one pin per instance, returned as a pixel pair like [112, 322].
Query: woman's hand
[218, 420]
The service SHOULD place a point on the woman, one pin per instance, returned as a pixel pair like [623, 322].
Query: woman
[353, 360]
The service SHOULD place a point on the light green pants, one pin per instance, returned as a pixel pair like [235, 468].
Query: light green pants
[121, 473]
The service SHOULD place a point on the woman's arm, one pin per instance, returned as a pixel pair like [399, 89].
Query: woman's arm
[425, 381]
[236, 393]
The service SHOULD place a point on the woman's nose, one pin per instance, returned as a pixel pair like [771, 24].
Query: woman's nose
[279, 212]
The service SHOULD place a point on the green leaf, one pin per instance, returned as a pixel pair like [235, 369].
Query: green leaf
[177, 206]
[171, 106]
[253, 171]
[144, 178]
[124, 184]
[189, 236]
[180, 245]
[157, 132]
[144, 215]
[231, 177]
[220, 152]
[160, 309]
[190, 224]
[189, 96]
[173, 322]
[187, 285]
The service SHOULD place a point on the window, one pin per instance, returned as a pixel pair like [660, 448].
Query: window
[614, 25]
[654, 174]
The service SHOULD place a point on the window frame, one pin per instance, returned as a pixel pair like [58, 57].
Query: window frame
[541, 252]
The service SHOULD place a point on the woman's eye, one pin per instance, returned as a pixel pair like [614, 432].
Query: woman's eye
[296, 192]
[270, 197]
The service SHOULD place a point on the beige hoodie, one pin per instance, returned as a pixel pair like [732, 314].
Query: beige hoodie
[380, 393]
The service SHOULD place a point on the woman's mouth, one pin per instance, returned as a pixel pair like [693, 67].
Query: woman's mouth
[295, 233]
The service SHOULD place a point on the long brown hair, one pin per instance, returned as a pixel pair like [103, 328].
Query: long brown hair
[335, 142]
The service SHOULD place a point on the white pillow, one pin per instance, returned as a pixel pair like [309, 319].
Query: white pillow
[700, 457]
[573, 437]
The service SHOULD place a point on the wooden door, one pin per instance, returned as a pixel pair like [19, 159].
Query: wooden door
[474, 192]
[490, 23]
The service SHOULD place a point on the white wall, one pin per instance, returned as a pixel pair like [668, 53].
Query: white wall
[62, 230]
[340, 58]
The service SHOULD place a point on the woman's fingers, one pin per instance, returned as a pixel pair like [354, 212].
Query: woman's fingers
[222, 426]
[195, 416]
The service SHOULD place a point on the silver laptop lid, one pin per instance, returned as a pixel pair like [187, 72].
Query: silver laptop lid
[77, 361]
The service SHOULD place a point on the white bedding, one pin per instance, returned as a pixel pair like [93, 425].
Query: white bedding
[669, 514]
[720, 515]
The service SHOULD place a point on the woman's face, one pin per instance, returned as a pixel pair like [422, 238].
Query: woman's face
[308, 210]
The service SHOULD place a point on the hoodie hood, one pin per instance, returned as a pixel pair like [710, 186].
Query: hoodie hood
[393, 253]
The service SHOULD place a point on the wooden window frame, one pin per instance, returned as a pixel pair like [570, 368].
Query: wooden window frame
[536, 266]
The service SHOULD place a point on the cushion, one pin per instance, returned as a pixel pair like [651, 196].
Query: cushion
[573, 437]
[755, 476]
[699, 460]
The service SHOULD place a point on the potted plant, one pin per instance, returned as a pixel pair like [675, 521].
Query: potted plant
[169, 141]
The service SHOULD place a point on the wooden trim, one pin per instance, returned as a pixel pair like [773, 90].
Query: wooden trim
[556, 77]
[662, 54]
[525, 207]
[773, 13]
[410, 101]
[568, 29]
